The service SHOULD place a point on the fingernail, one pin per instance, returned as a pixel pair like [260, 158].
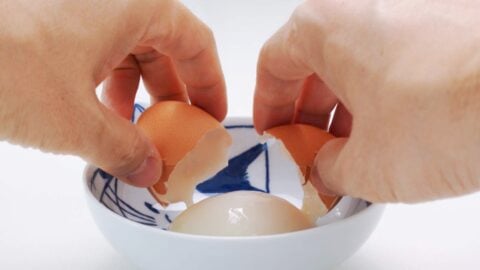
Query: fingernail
[148, 173]
[318, 183]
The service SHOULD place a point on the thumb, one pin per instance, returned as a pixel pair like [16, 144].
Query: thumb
[121, 149]
[341, 169]
[325, 176]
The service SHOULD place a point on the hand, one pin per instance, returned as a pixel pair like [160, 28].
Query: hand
[407, 71]
[54, 54]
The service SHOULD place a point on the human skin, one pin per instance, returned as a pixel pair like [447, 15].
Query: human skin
[54, 53]
[406, 77]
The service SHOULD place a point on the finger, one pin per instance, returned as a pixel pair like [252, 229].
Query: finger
[315, 104]
[160, 77]
[325, 176]
[343, 167]
[191, 46]
[120, 87]
[118, 147]
[342, 122]
[281, 72]
[343, 170]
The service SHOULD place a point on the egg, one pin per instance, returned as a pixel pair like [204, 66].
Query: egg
[193, 146]
[302, 142]
[241, 213]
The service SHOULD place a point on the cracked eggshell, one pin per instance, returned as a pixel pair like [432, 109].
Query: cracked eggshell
[303, 143]
[241, 213]
[193, 145]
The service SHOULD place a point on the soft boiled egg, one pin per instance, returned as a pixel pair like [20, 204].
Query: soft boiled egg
[241, 213]
[193, 146]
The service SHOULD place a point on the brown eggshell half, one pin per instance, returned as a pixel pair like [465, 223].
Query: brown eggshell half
[193, 146]
[303, 142]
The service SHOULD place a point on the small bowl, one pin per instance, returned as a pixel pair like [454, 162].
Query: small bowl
[137, 226]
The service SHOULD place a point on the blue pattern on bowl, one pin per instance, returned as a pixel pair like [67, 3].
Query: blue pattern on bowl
[234, 177]
[109, 196]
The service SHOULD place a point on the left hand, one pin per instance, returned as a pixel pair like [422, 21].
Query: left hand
[54, 53]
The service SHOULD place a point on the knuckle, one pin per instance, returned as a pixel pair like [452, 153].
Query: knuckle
[180, 96]
[456, 180]
[210, 37]
[363, 174]
[127, 156]
[282, 57]
[150, 57]
[276, 98]
[112, 146]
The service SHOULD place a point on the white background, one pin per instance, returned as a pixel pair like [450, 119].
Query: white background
[45, 224]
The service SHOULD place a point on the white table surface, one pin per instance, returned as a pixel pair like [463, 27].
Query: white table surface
[45, 224]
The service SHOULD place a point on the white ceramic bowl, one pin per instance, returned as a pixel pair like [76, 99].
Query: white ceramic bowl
[137, 226]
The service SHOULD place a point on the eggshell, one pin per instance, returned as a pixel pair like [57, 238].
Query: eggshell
[193, 146]
[303, 143]
[241, 213]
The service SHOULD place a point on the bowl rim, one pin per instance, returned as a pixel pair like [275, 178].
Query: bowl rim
[373, 207]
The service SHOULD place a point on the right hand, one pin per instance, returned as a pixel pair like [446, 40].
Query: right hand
[408, 72]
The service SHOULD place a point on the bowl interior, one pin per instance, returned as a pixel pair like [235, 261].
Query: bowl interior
[254, 165]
